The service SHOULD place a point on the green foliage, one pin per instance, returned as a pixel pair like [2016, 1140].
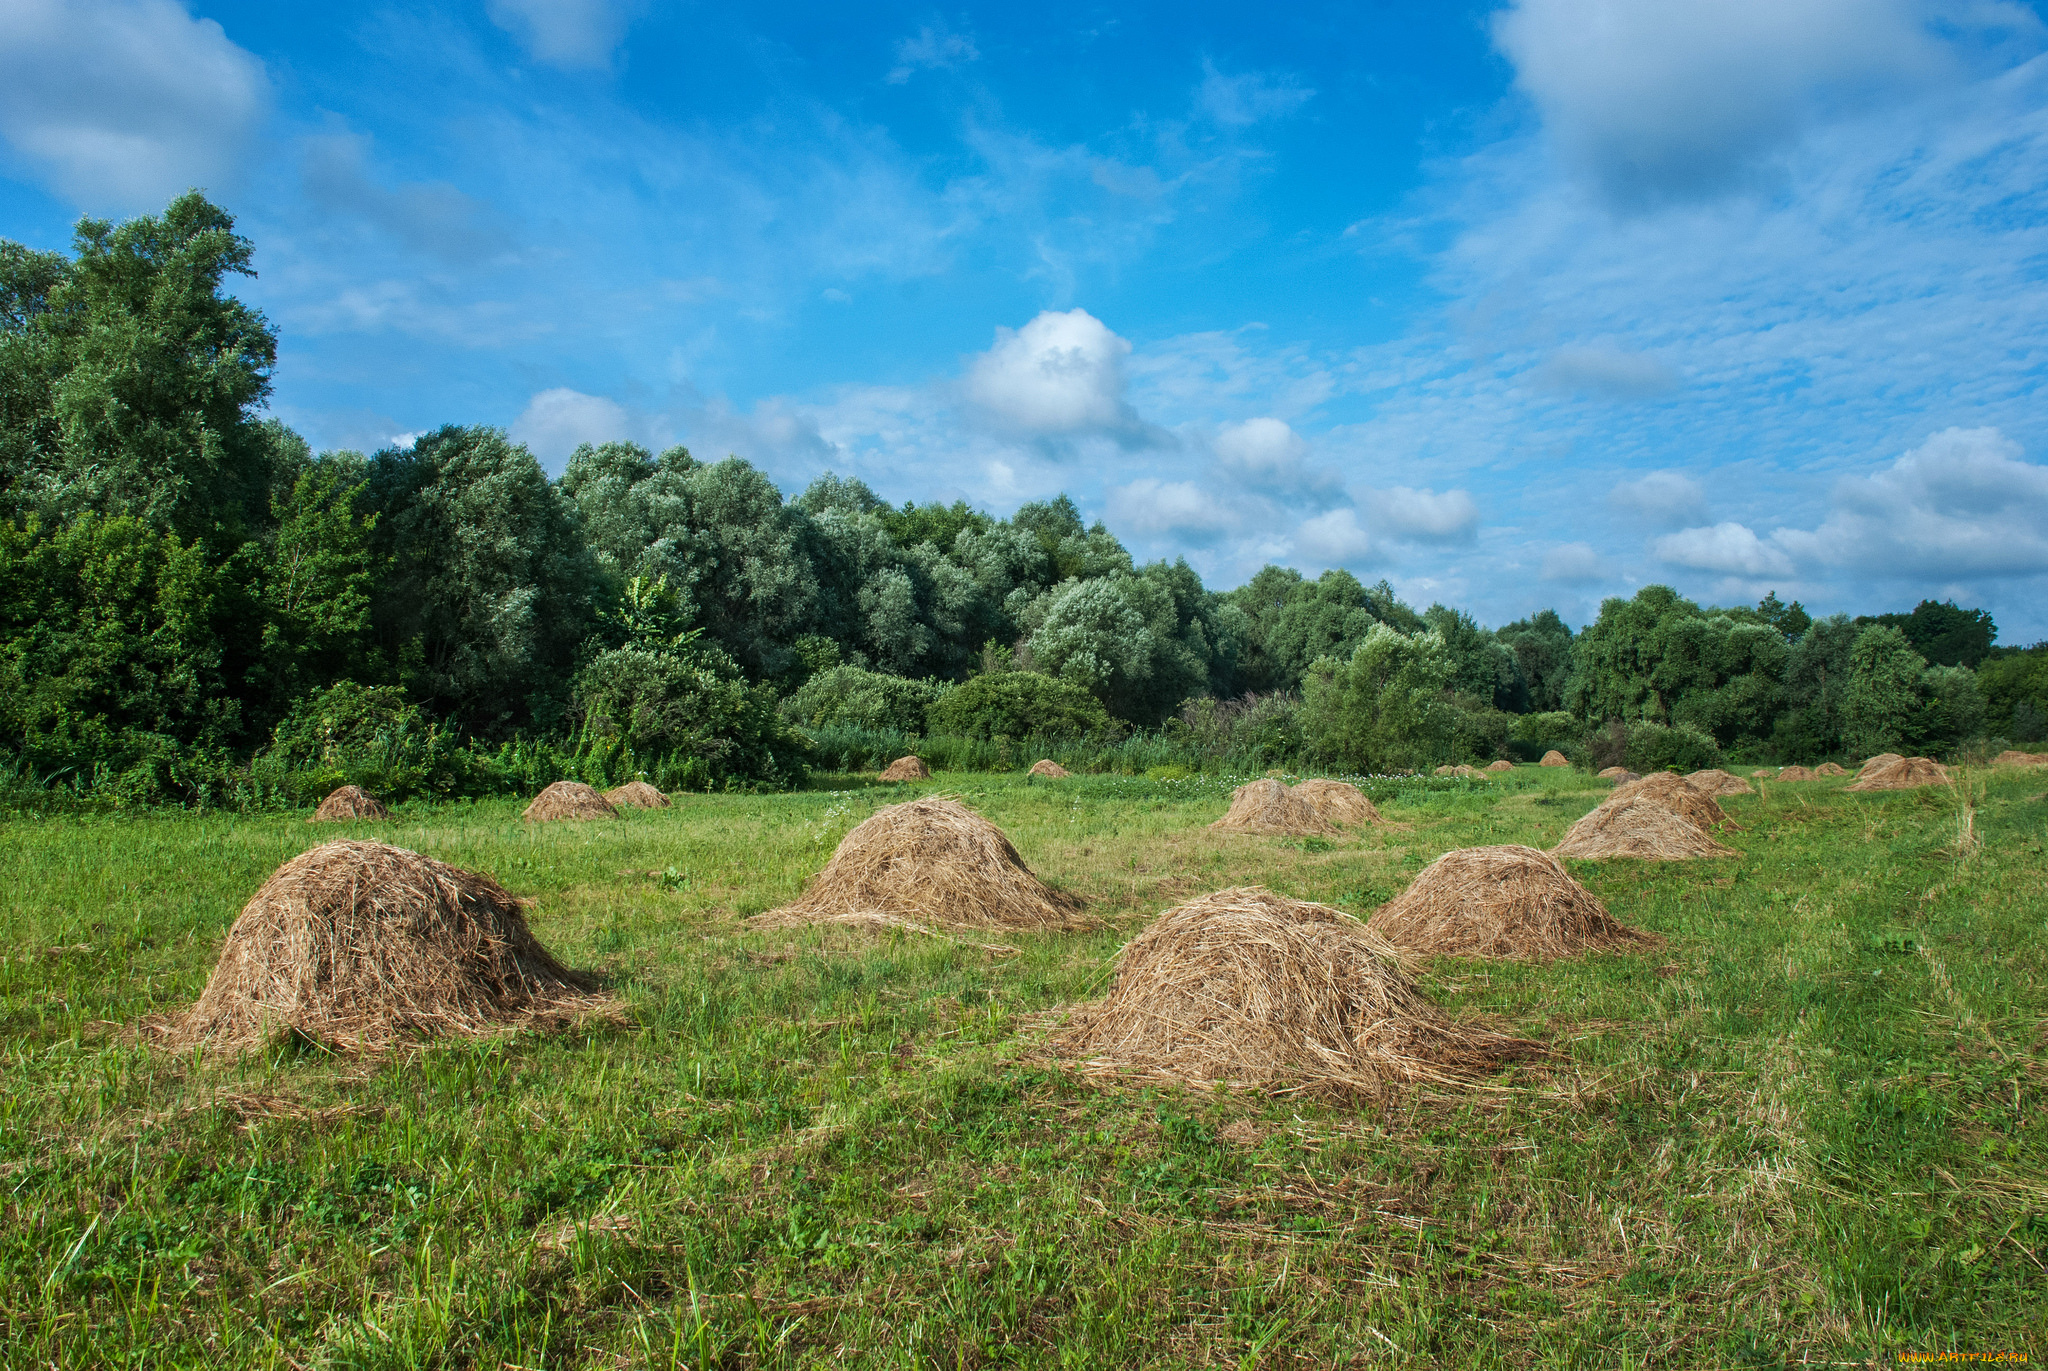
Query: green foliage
[1290, 622]
[1141, 643]
[864, 699]
[1384, 709]
[1943, 633]
[1656, 747]
[1256, 732]
[1542, 649]
[316, 577]
[1018, 704]
[1482, 666]
[692, 712]
[1881, 698]
[2015, 686]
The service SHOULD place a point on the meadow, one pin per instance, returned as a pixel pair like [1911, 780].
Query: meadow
[1811, 1128]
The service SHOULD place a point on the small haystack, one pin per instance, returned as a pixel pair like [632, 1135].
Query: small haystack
[568, 800]
[1268, 806]
[1460, 770]
[1507, 901]
[1048, 767]
[1251, 989]
[907, 769]
[1762, 773]
[1502, 765]
[1831, 769]
[637, 795]
[932, 860]
[1880, 761]
[1342, 804]
[1616, 773]
[2009, 757]
[1795, 773]
[1554, 758]
[1676, 794]
[1640, 827]
[348, 804]
[1715, 781]
[360, 944]
[1905, 773]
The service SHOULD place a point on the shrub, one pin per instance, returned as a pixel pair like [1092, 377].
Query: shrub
[683, 708]
[847, 695]
[1656, 747]
[1018, 704]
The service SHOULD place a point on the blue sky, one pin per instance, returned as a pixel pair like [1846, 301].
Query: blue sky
[1518, 305]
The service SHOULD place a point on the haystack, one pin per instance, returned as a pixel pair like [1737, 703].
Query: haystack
[1268, 806]
[349, 803]
[1613, 773]
[1906, 773]
[1460, 770]
[1638, 826]
[1881, 760]
[1831, 769]
[1554, 758]
[2009, 757]
[1048, 767]
[1676, 794]
[1251, 989]
[568, 800]
[1343, 805]
[932, 860]
[1502, 765]
[360, 944]
[1795, 773]
[1762, 773]
[637, 795]
[1507, 901]
[907, 769]
[1715, 781]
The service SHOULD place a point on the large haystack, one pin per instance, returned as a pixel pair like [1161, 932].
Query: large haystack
[1554, 758]
[1637, 826]
[1047, 767]
[636, 795]
[907, 769]
[1343, 805]
[1507, 901]
[1906, 773]
[1258, 991]
[1676, 794]
[1268, 806]
[2009, 757]
[349, 804]
[1878, 763]
[568, 800]
[1502, 765]
[932, 860]
[1795, 773]
[1715, 781]
[357, 944]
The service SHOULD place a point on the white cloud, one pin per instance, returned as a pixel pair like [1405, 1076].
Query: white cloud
[1662, 497]
[1606, 372]
[1061, 375]
[1153, 508]
[1247, 98]
[1729, 548]
[124, 103]
[556, 421]
[1962, 504]
[1573, 564]
[432, 216]
[1332, 539]
[570, 34]
[1424, 515]
[931, 49]
[1267, 455]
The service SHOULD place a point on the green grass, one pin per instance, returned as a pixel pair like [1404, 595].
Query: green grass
[1812, 1128]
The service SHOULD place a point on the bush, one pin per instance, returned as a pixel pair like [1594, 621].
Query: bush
[1658, 747]
[686, 715]
[1018, 704]
[849, 696]
[1253, 733]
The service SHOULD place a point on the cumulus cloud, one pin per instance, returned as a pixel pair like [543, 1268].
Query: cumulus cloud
[1572, 564]
[570, 34]
[1729, 548]
[1249, 97]
[1662, 497]
[931, 49]
[1179, 509]
[555, 422]
[125, 103]
[1268, 456]
[1333, 539]
[1605, 372]
[1964, 503]
[1652, 101]
[1061, 375]
[1424, 515]
[432, 216]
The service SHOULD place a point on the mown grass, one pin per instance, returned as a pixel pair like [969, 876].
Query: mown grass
[1811, 1128]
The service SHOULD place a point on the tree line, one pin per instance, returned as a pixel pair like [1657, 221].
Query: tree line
[194, 604]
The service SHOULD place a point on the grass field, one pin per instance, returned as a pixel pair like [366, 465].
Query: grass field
[1811, 1129]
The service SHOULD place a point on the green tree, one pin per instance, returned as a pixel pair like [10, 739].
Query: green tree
[1542, 648]
[689, 718]
[1384, 709]
[315, 578]
[848, 695]
[1943, 633]
[1881, 699]
[2015, 686]
[1018, 704]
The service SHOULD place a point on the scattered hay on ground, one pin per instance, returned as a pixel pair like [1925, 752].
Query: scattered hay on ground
[907, 769]
[1795, 773]
[1715, 781]
[932, 860]
[1676, 794]
[1554, 758]
[1638, 826]
[1904, 773]
[2009, 757]
[1268, 806]
[1502, 765]
[1506, 901]
[568, 800]
[349, 803]
[1048, 767]
[356, 945]
[637, 794]
[1250, 989]
[1341, 804]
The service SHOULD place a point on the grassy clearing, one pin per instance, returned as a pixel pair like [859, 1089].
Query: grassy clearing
[1812, 1128]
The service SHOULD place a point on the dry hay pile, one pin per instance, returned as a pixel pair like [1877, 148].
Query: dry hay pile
[1048, 767]
[1831, 769]
[1343, 805]
[1507, 901]
[1795, 773]
[1880, 761]
[932, 860]
[1268, 806]
[1502, 765]
[568, 800]
[1554, 758]
[2009, 757]
[1460, 770]
[907, 769]
[359, 944]
[1638, 826]
[349, 802]
[1257, 991]
[1676, 794]
[1903, 773]
[1762, 773]
[1718, 782]
[637, 795]
[1619, 773]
